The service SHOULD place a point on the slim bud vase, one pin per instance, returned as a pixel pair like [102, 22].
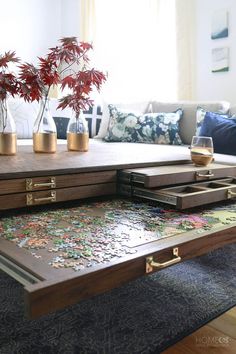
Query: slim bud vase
[8, 138]
[77, 134]
[44, 131]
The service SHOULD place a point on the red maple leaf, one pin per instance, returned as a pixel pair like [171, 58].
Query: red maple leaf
[9, 83]
[8, 57]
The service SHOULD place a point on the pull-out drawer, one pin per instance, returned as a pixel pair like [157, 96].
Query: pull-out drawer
[20, 200]
[176, 174]
[17, 193]
[18, 185]
[186, 196]
[92, 248]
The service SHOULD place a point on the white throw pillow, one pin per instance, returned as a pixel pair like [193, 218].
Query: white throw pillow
[24, 115]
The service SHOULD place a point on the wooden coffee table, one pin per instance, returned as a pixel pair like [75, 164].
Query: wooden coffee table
[62, 254]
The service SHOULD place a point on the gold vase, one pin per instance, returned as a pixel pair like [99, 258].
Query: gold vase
[77, 133]
[78, 142]
[8, 143]
[45, 142]
[44, 131]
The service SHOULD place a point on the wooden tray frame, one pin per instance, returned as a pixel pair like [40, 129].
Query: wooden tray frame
[56, 289]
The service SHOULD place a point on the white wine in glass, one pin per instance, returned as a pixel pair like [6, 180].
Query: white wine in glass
[201, 150]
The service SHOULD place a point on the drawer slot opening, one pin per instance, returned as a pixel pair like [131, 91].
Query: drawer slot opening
[215, 185]
[186, 190]
[233, 181]
[16, 272]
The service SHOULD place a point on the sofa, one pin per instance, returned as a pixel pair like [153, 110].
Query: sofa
[98, 120]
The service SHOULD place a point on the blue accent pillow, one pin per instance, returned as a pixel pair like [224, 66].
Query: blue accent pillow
[93, 116]
[156, 128]
[61, 125]
[223, 132]
[200, 115]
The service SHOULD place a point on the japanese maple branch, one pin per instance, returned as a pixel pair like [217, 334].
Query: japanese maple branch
[44, 105]
[77, 61]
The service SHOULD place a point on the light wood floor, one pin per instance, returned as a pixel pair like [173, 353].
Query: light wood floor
[217, 337]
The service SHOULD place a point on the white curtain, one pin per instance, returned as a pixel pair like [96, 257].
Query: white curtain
[87, 20]
[135, 42]
[185, 40]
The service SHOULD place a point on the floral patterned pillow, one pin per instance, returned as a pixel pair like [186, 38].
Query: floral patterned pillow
[158, 128]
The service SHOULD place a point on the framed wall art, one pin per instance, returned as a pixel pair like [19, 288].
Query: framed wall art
[219, 25]
[220, 59]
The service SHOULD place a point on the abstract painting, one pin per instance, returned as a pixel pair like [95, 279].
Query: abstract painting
[220, 59]
[219, 24]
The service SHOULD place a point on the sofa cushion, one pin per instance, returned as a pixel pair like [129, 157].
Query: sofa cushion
[29, 142]
[225, 159]
[135, 107]
[188, 121]
[159, 128]
[223, 132]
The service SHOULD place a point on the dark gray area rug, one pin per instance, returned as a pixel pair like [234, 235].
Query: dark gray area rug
[145, 316]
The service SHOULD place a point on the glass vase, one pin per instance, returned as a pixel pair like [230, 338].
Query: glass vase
[44, 130]
[8, 137]
[77, 133]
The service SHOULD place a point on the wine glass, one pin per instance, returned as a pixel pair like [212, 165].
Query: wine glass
[201, 150]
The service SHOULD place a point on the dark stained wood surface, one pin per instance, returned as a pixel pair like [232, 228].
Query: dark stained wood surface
[101, 156]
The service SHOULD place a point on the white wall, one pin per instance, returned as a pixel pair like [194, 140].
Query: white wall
[214, 86]
[30, 27]
[70, 10]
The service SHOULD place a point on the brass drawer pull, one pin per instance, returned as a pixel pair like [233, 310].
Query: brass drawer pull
[150, 264]
[230, 194]
[208, 175]
[30, 200]
[30, 185]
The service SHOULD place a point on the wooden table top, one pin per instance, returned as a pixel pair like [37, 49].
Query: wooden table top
[101, 156]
